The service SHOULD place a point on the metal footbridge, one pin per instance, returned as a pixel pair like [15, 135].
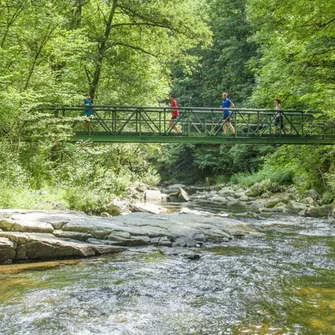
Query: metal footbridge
[198, 125]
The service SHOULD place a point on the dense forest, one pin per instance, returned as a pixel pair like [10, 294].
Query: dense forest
[134, 52]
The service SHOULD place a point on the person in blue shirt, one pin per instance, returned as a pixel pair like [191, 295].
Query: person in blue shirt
[89, 110]
[89, 113]
[227, 103]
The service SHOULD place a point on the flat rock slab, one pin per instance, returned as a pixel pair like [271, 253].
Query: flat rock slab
[7, 250]
[37, 246]
[41, 235]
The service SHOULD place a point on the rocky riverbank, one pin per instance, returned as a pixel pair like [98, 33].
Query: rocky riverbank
[48, 235]
[137, 221]
[263, 198]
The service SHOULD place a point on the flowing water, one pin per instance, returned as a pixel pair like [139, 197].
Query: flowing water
[278, 281]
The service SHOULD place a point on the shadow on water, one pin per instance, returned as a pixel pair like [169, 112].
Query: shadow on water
[280, 281]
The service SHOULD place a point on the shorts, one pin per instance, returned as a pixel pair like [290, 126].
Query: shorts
[88, 112]
[174, 117]
[279, 121]
[226, 117]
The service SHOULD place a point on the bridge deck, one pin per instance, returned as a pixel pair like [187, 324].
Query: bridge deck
[198, 125]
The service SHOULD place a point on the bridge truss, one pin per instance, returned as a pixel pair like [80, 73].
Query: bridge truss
[198, 125]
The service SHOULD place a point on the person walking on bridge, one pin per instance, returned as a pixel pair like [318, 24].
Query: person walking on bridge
[226, 103]
[278, 117]
[89, 113]
[174, 114]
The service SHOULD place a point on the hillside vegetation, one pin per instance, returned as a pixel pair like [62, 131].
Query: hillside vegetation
[134, 52]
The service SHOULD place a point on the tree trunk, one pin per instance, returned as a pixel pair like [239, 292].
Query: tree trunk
[101, 51]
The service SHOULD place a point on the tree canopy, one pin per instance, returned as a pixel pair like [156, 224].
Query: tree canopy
[135, 52]
[296, 42]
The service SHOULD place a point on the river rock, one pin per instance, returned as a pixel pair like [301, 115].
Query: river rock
[180, 196]
[162, 241]
[312, 194]
[7, 250]
[277, 198]
[37, 246]
[98, 227]
[71, 235]
[255, 190]
[20, 222]
[173, 188]
[244, 198]
[273, 210]
[118, 207]
[226, 191]
[136, 191]
[322, 211]
[309, 201]
[147, 207]
[296, 207]
[185, 242]
[69, 228]
[153, 195]
[256, 206]
[126, 239]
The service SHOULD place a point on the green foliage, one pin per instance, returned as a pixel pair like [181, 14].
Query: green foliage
[83, 199]
[26, 198]
[287, 50]
[296, 40]
[124, 52]
[223, 66]
[305, 166]
[49, 198]
[120, 52]
[192, 163]
[82, 176]
[311, 165]
[176, 163]
[273, 177]
[11, 170]
[108, 168]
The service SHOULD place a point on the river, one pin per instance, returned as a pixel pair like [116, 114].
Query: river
[279, 281]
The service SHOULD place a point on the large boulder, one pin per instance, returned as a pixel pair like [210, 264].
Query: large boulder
[149, 208]
[226, 192]
[77, 235]
[278, 198]
[7, 250]
[266, 185]
[136, 191]
[126, 239]
[36, 246]
[153, 195]
[312, 194]
[255, 190]
[321, 211]
[21, 222]
[71, 235]
[180, 196]
[296, 207]
[118, 207]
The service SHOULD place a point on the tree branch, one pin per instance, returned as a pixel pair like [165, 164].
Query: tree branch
[143, 24]
[136, 48]
[322, 25]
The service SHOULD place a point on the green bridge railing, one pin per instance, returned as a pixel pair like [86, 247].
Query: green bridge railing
[198, 125]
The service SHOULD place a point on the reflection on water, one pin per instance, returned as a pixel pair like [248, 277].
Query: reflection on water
[280, 281]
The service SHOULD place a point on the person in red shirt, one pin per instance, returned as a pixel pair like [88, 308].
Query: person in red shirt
[174, 114]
